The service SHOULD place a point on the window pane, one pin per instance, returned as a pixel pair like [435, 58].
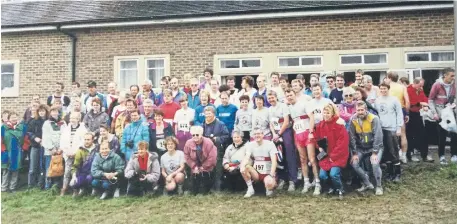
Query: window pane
[311, 61]
[156, 63]
[351, 59]
[128, 64]
[443, 56]
[7, 68]
[230, 63]
[7, 80]
[155, 75]
[128, 78]
[283, 62]
[375, 58]
[250, 63]
[418, 57]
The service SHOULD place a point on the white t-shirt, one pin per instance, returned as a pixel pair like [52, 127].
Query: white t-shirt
[183, 118]
[300, 108]
[278, 112]
[261, 120]
[317, 106]
[172, 163]
[261, 155]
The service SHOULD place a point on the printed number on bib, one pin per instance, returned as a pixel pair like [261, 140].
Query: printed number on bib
[161, 145]
[275, 123]
[183, 126]
[299, 126]
[263, 167]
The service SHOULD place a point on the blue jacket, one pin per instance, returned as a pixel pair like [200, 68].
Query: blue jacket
[136, 132]
[178, 96]
[265, 101]
[199, 114]
[227, 115]
[194, 102]
[159, 99]
[219, 130]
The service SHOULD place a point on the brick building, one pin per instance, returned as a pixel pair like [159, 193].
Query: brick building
[130, 41]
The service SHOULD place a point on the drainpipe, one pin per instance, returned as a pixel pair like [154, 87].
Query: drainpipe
[73, 52]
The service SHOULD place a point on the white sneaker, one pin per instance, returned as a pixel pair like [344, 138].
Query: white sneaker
[306, 188]
[317, 189]
[454, 159]
[429, 159]
[281, 185]
[249, 193]
[403, 158]
[365, 187]
[415, 159]
[104, 195]
[291, 186]
[269, 193]
[379, 191]
[443, 160]
[116, 193]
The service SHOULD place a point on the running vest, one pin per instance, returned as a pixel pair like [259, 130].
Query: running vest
[398, 91]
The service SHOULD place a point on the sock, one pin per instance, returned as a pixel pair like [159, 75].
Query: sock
[306, 180]
[249, 183]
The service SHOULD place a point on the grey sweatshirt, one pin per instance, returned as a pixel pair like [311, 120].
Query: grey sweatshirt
[390, 112]
[243, 120]
[365, 142]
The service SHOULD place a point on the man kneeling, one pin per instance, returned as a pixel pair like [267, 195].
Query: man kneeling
[263, 153]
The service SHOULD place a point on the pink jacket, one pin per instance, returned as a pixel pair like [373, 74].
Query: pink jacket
[208, 157]
[438, 98]
[346, 111]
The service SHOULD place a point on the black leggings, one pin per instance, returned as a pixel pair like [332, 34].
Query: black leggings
[202, 182]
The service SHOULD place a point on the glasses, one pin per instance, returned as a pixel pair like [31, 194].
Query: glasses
[350, 95]
[194, 85]
[195, 135]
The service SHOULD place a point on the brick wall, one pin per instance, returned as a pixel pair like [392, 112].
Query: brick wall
[192, 46]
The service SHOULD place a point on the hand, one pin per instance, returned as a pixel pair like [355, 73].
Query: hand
[143, 178]
[108, 175]
[321, 149]
[273, 174]
[435, 117]
[425, 109]
[275, 137]
[406, 119]
[37, 140]
[452, 105]
[355, 159]
[196, 170]
[374, 159]
[310, 136]
[398, 132]
[169, 178]
[231, 169]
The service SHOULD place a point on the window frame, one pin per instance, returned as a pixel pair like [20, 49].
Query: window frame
[137, 69]
[300, 64]
[240, 63]
[16, 88]
[429, 56]
[362, 56]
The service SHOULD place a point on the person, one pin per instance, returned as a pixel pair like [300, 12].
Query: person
[193, 97]
[147, 90]
[358, 79]
[275, 86]
[247, 84]
[118, 109]
[336, 95]
[243, 118]
[95, 117]
[173, 165]
[314, 79]
[52, 130]
[200, 154]
[297, 87]
[29, 112]
[158, 131]
[142, 170]
[81, 177]
[415, 128]
[330, 80]
[284, 84]
[263, 153]
[261, 119]
[281, 128]
[398, 90]
[164, 84]
[318, 102]
[365, 136]
[76, 89]
[5, 115]
[371, 90]
[93, 94]
[72, 137]
[222, 88]
[216, 131]
[391, 117]
[35, 133]
[123, 119]
[59, 105]
[75, 108]
[404, 81]
[58, 94]
[185, 86]
[111, 96]
[214, 92]
[13, 133]
[149, 107]
[361, 95]
[169, 107]
[302, 115]
[233, 156]
[206, 84]
[231, 83]
[262, 91]
[177, 94]
[112, 140]
[183, 120]
[134, 92]
[106, 168]
[336, 140]
[199, 111]
[347, 107]
[133, 133]
[226, 112]
[442, 93]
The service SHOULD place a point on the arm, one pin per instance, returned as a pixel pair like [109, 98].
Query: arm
[432, 97]
[155, 172]
[352, 139]
[343, 114]
[164, 173]
[340, 152]
[284, 125]
[377, 132]
[197, 112]
[406, 97]
[46, 141]
[226, 159]
[224, 136]
[190, 162]
[274, 162]
[129, 169]
[311, 121]
[96, 170]
[119, 163]
[123, 141]
[211, 159]
[76, 162]
[399, 114]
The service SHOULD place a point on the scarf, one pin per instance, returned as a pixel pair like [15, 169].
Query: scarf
[11, 125]
[56, 124]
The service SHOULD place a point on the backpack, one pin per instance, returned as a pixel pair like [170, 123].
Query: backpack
[56, 167]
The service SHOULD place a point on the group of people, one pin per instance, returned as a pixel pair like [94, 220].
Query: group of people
[203, 135]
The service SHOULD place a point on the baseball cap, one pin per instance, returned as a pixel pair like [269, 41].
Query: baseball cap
[91, 84]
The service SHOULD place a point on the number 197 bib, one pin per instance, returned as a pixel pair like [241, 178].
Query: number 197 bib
[263, 167]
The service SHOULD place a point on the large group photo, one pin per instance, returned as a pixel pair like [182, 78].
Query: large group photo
[99, 124]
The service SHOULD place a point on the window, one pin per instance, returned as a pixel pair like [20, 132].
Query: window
[10, 78]
[155, 70]
[442, 56]
[363, 59]
[418, 57]
[239, 63]
[445, 56]
[300, 61]
[128, 73]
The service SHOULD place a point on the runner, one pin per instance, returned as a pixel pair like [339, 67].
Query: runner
[243, 119]
[298, 86]
[261, 119]
[184, 119]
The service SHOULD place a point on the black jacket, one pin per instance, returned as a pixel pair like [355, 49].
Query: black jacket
[35, 129]
[167, 131]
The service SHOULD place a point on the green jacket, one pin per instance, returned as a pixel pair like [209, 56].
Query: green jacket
[81, 156]
[113, 163]
[12, 138]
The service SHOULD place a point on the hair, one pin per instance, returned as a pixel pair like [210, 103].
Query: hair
[314, 76]
[260, 97]
[348, 90]
[384, 85]
[196, 129]
[272, 93]
[183, 98]
[244, 97]
[299, 83]
[158, 112]
[36, 114]
[317, 85]
[143, 145]
[131, 100]
[249, 80]
[332, 108]
[134, 85]
[167, 92]
[300, 77]
[135, 111]
[230, 77]
[331, 77]
[362, 91]
[53, 108]
[361, 104]
[148, 82]
[417, 80]
[209, 70]
[283, 78]
[96, 100]
[367, 78]
[447, 70]
[91, 134]
[288, 90]
[240, 133]
[224, 88]
[210, 109]
[404, 80]
[340, 76]
[60, 84]
[392, 76]
[167, 77]
[76, 83]
[172, 139]
[12, 113]
[76, 115]
[104, 126]
[149, 101]
[256, 130]
[164, 79]
[274, 74]
[224, 93]
[204, 92]
[360, 71]
[193, 80]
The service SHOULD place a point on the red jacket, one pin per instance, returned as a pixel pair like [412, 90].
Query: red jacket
[416, 97]
[208, 156]
[338, 143]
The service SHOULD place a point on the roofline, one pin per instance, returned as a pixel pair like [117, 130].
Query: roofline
[276, 15]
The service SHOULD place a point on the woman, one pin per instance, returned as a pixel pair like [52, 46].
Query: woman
[106, 168]
[35, 132]
[334, 133]
[95, 117]
[143, 170]
[13, 134]
[134, 132]
[173, 165]
[158, 131]
[72, 138]
[261, 119]
[371, 90]
[184, 118]
[360, 94]
[117, 109]
[214, 93]
[5, 115]
[112, 140]
[199, 110]
[233, 156]
[347, 107]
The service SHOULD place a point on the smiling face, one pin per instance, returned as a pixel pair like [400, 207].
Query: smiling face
[167, 98]
[142, 151]
[259, 103]
[88, 140]
[261, 82]
[104, 149]
[174, 83]
[317, 92]
[134, 116]
[339, 82]
[384, 90]
[291, 97]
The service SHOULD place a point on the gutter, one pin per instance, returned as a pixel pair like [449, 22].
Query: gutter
[74, 39]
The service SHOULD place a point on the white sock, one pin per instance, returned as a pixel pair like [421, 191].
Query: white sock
[306, 180]
[249, 183]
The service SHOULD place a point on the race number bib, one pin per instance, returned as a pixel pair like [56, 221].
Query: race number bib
[183, 126]
[161, 145]
[263, 167]
[299, 126]
[275, 123]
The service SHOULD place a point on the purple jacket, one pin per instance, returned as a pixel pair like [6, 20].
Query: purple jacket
[438, 97]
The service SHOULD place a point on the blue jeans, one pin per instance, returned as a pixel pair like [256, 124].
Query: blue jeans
[335, 176]
[47, 163]
[37, 172]
[103, 184]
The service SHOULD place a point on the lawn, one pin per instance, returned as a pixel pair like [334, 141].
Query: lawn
[428, 194]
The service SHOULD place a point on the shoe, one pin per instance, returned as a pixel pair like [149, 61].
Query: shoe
[116, 193]
[340, 194]
[291, 186]
[454, 159]
[397, 171]
[443, 160]
[415, 159]
[416, 152]
[379, 191]
[429, 159]
[75, 194]
[180, 191]
[317, 189]
[281, 185]
[165, 192]
[365, 187]
[94, 192]
[330, 191]
[250, 192]
[306, 188]
[269, 193]
[104, 195]
[403, 158]
[81, 192]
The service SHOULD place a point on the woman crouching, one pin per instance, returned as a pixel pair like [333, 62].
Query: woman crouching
[173, 163]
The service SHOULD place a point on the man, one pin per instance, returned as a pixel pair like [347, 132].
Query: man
[318, 103]
[111, 96]
[415, 128]
[58, 93]
[283, 83]
[391, 117]
[147, 90]
[169, 107]
[330, 80]
[314, 79]
[218, 133]
[247, 83]
[206, 85]
[443, 93]
[275, 86]
[358, 79]
[281, 128]
[301, 78]
[148, 106]
[76, 88]
[365, 136]
[226, 89]
[297, 87]
[93, 93]
[262, 90]
[194, 95]
[371, 90]
[123, 119]
[226, 112]
[76, 107]
[163, 85]
[214, 92]
[398, 90]
[176, 92]
[231, 83]
[336, 95]
[303, 119]
[263, 153]
[81, 175]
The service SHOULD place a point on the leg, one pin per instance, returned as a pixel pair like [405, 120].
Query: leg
[404, 141]
[270, 183]
[360, 172]
[411, 135]
[249, 174]
[453, 144]
[377, 172]
[442, 134]
[48, 181]
[291, 155]
[5, 179]
[14, 180]
[33, 167]
[67, 175]
[208, 181]
[42, 169]
[219, 169]
[304, 167]
[335, 175]
[196, 182]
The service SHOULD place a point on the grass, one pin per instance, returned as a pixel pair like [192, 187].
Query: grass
[428, 194]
